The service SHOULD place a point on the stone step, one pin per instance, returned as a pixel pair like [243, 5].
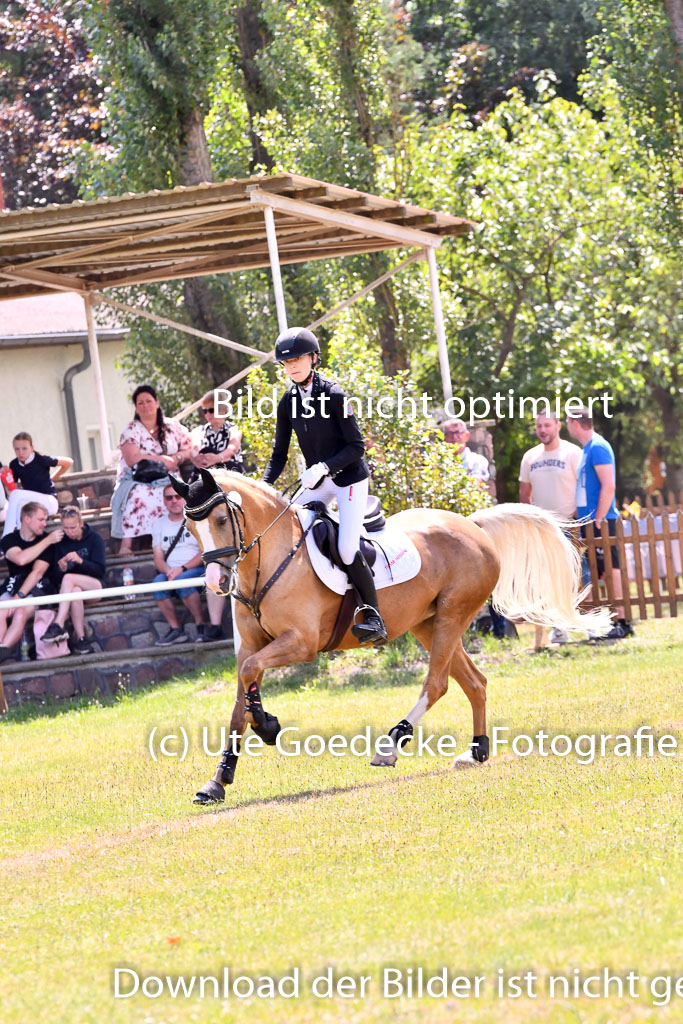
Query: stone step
[98, 486]
[129, 625]
[108, 672]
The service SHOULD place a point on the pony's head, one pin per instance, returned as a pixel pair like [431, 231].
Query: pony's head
[215, 517]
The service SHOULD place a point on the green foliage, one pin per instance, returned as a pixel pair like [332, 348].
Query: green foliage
[159, 57]
[634, 56]
[558, 289]
[573, 282]
[474, 50]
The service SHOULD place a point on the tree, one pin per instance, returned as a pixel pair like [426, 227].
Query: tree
[551, 293]
[475, 50]
[636, 79]
[338, 109]
[50, 101]
[161, 57]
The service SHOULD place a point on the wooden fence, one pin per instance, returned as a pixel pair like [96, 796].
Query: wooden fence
[649, 552]
[658, 502]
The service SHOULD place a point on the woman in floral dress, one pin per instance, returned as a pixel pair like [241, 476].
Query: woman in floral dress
[150, 435]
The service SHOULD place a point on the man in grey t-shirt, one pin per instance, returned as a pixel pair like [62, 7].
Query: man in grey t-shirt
[179, 559]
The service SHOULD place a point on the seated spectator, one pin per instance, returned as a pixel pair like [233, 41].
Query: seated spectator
[28, 556]
[456, 432]
[177, 555]
[31, 470]
[162, 444]
[78, 563]
[216, 443]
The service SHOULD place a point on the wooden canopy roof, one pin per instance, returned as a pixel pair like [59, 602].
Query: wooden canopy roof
[203, 229]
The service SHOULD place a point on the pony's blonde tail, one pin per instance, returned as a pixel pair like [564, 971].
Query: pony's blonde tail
[540, 568]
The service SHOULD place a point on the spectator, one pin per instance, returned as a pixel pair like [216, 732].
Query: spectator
[32, 471]
[78, 564]
[28, 557]
[547, 478]
[216, 443]
[595, 488]
[151, 445]
[177, 555]
[456, 432]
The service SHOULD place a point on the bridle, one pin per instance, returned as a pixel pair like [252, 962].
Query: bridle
[199, 512]
[238, 550]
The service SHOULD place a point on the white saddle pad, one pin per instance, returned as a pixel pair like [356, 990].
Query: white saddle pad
[398, 560]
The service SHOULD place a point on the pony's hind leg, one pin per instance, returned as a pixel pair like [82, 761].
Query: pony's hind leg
[473, 682]
[440, 646]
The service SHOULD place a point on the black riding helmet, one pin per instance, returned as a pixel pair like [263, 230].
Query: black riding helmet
[295, 342]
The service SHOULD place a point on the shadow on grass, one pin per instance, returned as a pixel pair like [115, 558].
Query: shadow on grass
[216, 810]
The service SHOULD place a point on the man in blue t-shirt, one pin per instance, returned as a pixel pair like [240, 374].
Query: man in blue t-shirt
[595, 487]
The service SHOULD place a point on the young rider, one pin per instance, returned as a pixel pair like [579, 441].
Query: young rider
[333, 447]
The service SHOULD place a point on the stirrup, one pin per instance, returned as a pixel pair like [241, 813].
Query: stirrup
[367, 633]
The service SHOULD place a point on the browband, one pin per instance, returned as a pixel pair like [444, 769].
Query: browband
[199, 512]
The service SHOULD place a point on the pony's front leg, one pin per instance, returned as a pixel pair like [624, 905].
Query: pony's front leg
[286, 649]
[214, 790]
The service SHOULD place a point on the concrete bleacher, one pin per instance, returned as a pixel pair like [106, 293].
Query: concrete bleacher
[123, 632]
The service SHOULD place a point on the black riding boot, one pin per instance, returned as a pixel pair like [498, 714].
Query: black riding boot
[372, 629]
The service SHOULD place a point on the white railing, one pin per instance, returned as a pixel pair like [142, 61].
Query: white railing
[129, 590]
[94, 595]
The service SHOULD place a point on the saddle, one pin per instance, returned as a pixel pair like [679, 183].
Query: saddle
[325, 530]
[325, 533]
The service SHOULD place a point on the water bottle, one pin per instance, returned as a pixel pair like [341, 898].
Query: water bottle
[7, 477]
[128, 581]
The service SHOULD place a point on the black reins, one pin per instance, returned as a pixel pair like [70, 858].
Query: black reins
[239, 551]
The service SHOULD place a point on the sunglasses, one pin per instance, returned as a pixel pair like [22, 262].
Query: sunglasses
[207, 411]
[69, 515]
[173, 497]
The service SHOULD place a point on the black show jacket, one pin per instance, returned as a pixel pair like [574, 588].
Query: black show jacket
[324, 433]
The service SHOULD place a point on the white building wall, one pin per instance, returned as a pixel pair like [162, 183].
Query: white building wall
[31, 398]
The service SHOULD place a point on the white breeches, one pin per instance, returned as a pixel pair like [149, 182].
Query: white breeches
[352, 501]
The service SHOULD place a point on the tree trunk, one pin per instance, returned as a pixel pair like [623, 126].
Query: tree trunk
[342, 19]
[674, 10]
[194, 159]
[394, 353]
[672, 422]
[252, 37]
[195, 167]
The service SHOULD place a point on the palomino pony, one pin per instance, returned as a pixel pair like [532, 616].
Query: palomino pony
[252, 543]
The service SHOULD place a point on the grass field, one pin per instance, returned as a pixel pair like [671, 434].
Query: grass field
[528, 864]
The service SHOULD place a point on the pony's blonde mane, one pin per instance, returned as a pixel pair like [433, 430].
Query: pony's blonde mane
[228, 480]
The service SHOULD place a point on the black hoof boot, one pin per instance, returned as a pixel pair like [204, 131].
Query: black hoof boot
[268, 729]
[372, 629]
[480, 748]
[211, 793]
[401, 733]
[265, 725]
